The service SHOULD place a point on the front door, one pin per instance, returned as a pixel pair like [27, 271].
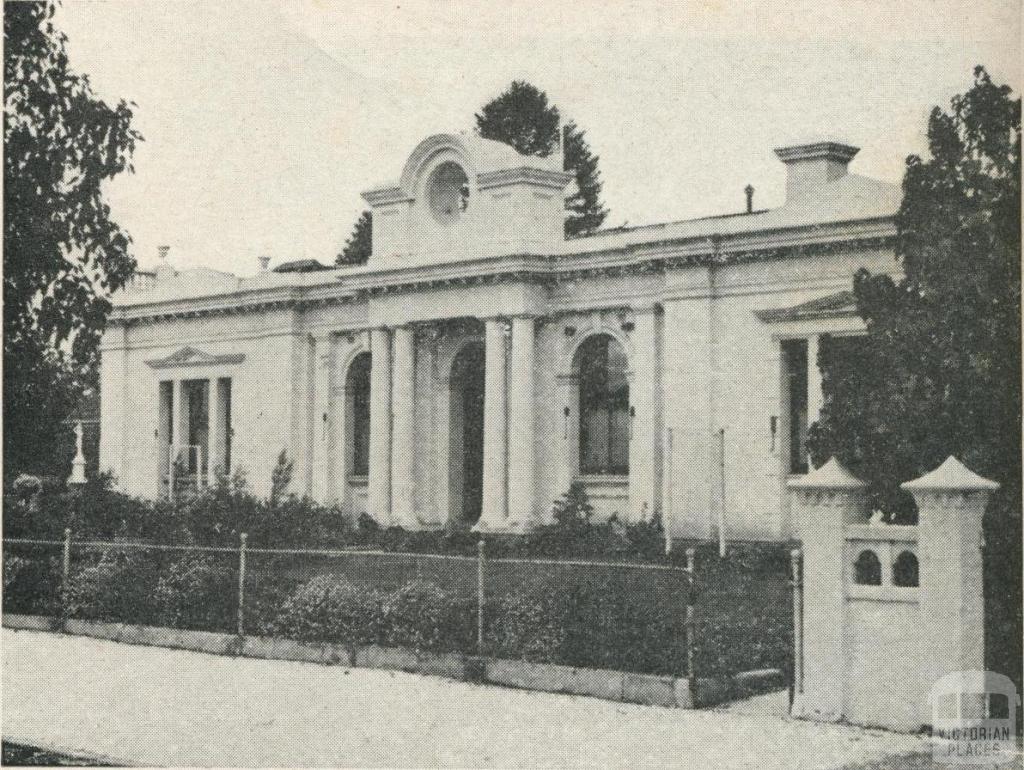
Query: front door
[467, 437]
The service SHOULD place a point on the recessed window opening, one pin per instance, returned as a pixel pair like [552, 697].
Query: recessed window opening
[448, 192]
[867, 570]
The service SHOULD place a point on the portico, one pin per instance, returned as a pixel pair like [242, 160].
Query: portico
[426, 373]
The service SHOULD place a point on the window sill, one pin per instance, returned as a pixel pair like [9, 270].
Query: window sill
[359, 481]
[883, 593]
[611, 479]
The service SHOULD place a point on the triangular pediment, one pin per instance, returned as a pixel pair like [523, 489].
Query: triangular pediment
[190, 356]
[840, 305]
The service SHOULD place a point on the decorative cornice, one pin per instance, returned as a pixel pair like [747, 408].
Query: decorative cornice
[185, 308]
[555, 180]
[189, 356]
[828, 150]
[382, 196]
[650, 258]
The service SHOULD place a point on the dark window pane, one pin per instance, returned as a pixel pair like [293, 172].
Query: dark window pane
[867, 569]
[904, 570]
[795, 361]
[359, 389]
[604, 406]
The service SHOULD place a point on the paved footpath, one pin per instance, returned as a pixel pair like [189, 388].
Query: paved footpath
[148, 705]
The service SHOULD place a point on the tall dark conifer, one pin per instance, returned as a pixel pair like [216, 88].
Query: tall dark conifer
[359, 244]
[522, 117]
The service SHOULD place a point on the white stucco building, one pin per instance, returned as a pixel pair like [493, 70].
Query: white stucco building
[480, 362]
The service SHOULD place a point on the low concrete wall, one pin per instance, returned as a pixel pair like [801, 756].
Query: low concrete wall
[645, 689]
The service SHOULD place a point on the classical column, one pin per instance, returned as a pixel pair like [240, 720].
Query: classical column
[827, 499]
[181, 425]
[431, 513]
[494, 511]
[521, 416]
[180, 417]
[950, 504]
[643, 443]
[403, 445]
[814, 394]
[214, 440]
[379, 486]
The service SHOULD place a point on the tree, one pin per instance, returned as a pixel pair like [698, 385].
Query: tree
[359, 244]
[63, 254]
[586, 212]
[939, 371]
[522, 117]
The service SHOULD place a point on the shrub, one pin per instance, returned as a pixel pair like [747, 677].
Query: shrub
[196, 591]
[573, 510]
[615, 623]
[13, 565]
[422, 616]
[32, 583]
[330, 609]
[118, 587]
[530, 626]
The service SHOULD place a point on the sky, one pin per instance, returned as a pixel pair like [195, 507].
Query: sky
[263, 121]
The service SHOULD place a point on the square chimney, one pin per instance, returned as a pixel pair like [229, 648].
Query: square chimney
[814, 164]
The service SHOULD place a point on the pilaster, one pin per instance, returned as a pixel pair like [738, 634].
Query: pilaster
[644, 497]
[324, 486]
[403, 455]
[379, 483]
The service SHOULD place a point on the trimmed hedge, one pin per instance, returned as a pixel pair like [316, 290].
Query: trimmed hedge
[594, 626]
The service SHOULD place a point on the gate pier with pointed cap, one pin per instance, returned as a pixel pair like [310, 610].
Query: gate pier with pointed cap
[887, 609]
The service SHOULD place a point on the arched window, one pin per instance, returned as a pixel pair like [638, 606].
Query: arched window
[867, 570]
[357, 390]
[603, 406]
[904, 570]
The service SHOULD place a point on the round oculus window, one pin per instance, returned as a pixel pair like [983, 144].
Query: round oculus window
[448, 192]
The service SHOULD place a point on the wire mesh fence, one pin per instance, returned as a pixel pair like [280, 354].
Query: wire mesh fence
[706, 617]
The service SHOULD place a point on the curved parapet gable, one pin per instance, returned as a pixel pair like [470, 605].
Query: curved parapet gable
[508, 203]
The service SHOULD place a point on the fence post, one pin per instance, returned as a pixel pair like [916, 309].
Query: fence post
[65, 578]
[690, 594]
[796, 684]
[241, 583]
[480, 597]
